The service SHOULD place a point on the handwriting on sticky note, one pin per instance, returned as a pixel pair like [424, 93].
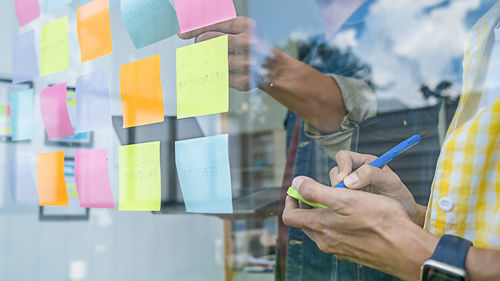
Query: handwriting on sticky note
[27, 11]
[140, 177]
[203, 78]
[55, 112]
[204, 174]
[24, 61]
[92, 180]
[22, 114]
[54, 52]
[141, 92]
[143, 17]
[93, 108]
[50, 179]
[195, 14]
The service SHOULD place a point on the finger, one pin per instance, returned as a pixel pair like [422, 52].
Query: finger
[207, 36]
[313, 191]
[368, 175]
[239, 81]
[239, 64]
[232, 26]
[296, 217]
[348, 161]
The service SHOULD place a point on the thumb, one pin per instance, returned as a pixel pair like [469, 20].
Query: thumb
[368, 175]
[313, 191]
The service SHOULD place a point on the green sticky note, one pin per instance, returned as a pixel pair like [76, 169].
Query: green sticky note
[203, 78]
[140, 177]
[54, 53]
[292, 192]
[3, 110]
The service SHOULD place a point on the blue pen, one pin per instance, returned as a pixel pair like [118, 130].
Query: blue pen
[391, 154]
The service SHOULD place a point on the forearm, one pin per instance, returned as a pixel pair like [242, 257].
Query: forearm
[309, 93]
[483, 264]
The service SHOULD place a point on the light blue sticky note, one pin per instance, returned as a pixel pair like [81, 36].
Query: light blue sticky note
[22, 108]
[25, 66]
[148, 21]
[21, 180]
[53, 4]
[204, 174]
[93, 109]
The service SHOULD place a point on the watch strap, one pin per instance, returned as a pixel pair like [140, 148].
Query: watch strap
[452, 250]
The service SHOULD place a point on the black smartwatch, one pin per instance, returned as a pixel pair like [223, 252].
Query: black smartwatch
[448, 261]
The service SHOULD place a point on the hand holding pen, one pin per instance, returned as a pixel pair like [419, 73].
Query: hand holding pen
[379, 162]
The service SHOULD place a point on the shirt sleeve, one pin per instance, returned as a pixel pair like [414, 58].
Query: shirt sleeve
[360, 102]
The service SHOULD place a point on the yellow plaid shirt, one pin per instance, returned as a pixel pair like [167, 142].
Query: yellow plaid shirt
[465, 197]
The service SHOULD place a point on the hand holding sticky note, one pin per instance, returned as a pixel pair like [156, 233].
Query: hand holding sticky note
[379, 162]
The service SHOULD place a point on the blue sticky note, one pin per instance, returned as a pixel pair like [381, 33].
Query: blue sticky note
[53, 4]
[21, 181]
[93, 109]
[25, 66]
[22, 112]
[204, 174]
[148, 21]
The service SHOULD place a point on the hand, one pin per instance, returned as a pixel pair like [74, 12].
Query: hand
[248, 53]
[375, 180]
[362, 227]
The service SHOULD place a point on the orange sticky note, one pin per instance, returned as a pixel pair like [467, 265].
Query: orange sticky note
[94, 30]
[50, 179]
[141, 92]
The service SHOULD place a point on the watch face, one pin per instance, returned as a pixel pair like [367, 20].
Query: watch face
[431, 273]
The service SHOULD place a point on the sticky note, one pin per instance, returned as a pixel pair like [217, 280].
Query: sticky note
[204, 174]
[22, 114]
[140, 177]
[93, 109]
[21, 181]
[194, 14]
[53, 4]
[203, 78]
[54, 47]
[55, 112]
[24, 61]
[92, 180]
[148, 21]
[50, 179]
[27, 11]
[141, 92]
[94, 30]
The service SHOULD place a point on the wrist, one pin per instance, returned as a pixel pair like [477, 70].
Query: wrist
[414, 246]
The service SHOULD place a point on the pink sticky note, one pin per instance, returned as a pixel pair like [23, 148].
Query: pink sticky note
[92, 180]
[55, 112]
[27, 11]
[194, 14]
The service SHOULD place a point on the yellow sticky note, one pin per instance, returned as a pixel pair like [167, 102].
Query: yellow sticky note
[94, 30]
[54, 53]
[50, 179]
[292, 192]
[140, 177]
[141, 92]
[203, 78]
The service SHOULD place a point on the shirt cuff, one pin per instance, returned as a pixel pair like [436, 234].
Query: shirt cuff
[360, 102]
